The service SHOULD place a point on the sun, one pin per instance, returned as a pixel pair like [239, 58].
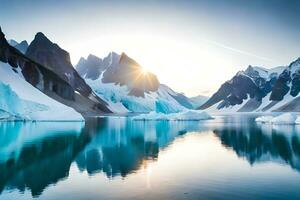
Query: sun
[144, 71]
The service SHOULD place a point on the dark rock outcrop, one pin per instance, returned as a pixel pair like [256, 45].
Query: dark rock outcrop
[288, 82]
[128, 72]
[245, 84]
[121, 70]
[49, 71]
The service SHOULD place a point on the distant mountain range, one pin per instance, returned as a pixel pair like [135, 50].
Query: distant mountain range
[116, 83]
[259, 89]
[40, 79]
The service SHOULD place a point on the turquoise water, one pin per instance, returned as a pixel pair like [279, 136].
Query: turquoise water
[229, 157]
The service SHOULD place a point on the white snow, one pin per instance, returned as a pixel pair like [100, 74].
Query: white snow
[120, 101]
[230, 109]
[189, 115]
[21, 99]
[283, 119]
[265, 73]
[264, 119]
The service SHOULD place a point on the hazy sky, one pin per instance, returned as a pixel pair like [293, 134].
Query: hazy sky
[193, 46]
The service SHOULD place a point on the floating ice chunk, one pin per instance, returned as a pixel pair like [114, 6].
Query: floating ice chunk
[264, 119]
[286, 118]
[297, 120]
[180, 116]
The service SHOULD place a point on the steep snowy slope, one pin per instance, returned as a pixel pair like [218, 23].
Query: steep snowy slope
[50, 55]
[21, 101]
[247, 91]
[48, 69]
[126, 87]
[261, 90]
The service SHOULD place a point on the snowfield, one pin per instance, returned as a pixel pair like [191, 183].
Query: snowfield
[19, 100]
[189, 115]
[283, 119]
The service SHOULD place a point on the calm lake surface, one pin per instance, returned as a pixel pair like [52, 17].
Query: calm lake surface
[229, 157]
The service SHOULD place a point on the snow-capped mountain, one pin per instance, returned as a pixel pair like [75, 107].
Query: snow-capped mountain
[43, 86]
[259, 89]
[126, 87]
[21, 101]
[287, 89]
[198, 100]
[50, 55]
[247, 91]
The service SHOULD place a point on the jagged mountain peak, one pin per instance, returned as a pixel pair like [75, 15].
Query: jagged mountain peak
[295, 64]
[41, 48]
[125, 59]
[2, 38]
[41, 36]
[93, 57]
[24, 42]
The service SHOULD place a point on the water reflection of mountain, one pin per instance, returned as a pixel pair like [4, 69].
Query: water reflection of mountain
[34, 155]
[123, 145]
[262, 143]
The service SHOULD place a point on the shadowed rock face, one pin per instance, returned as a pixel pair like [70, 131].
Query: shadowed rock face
[50, 80]
[244, 84]
[50, 55]
[234, 92]
[119, 69]
[129, 72]
[288, 82]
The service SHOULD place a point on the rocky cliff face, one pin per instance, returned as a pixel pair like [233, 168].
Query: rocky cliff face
[251, 85]
[128, 72]
[275, 89]
[49, 71]
[288, 82]
[119, 69]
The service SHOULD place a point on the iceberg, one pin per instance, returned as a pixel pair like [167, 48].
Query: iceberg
[264, 119]
[284, 119]
[189, 115]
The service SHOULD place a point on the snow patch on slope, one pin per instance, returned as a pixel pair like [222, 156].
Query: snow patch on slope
[21, 100]
[120, 101]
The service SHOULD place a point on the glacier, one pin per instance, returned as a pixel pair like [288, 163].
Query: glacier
[283, 119]
[119, 101]
[188, 115]
[21, 101]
